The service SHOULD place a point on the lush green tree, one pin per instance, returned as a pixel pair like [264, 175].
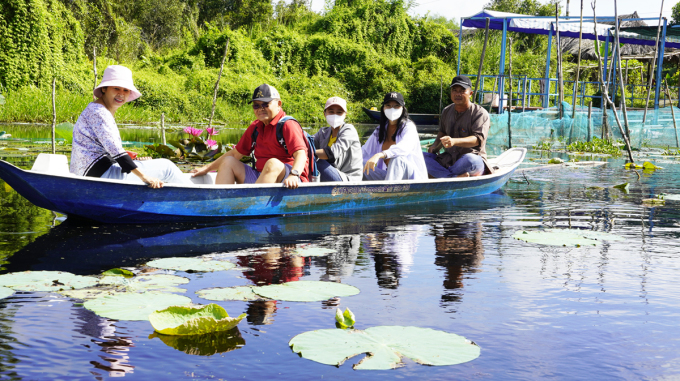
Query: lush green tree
[675, 14]
[234, 13]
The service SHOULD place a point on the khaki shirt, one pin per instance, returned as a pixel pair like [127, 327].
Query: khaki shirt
[472, 122]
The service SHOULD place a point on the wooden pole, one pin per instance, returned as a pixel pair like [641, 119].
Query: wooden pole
[217, 85]
[590, 122]
[54, 116]
[481, 60]
[578, 65]
[163, 129]
[94, 66]
[651, 75]
[510, 96]
[605, 91]
[560, 82]
[618, 63]
[675, 126]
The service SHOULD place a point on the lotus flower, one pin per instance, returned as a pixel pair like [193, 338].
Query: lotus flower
[211, 144]
[193, 131]
[212, 131]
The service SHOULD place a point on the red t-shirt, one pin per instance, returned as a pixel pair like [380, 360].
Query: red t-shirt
[268, 147]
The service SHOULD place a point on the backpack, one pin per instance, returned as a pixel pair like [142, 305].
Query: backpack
[311, 147]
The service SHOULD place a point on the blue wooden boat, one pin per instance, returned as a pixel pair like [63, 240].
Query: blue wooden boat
[50, 186]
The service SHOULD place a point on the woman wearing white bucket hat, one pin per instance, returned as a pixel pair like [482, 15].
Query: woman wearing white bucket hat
[97, 147]
[339, 148]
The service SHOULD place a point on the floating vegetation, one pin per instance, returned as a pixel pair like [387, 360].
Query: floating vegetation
[625, 187]
[115, 284]
[313, 252]
[669, 197]
[647, 166]
[204, 345]
[191, 264]
[48, 281]
[555, 160]
[193, 320]
[305, 291]
[566, 237]
[597, 145]
[119, 272]
[344, 319]
[385, 346]
[242, 293]
[5, 292]
[133, 306]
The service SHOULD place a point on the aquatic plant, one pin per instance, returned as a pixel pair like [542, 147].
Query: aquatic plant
[194, 148]
[243, 293]
[565, 237]
[46, 281]
[204, 345]
[305, 291]
[344, 319]
[132, 306]
[597, 145]
[5, 292]
[385, 346]
[191, 264]
[193, 320]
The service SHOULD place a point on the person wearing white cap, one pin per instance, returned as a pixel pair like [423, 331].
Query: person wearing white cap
[97, 147]
[339, 147]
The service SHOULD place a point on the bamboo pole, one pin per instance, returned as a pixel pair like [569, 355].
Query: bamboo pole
[94, 66]
[217, 85]
[510, 97]
[618, 63]
[578, 65]
[54, 116]
[560, 82]
[675, 126]
[605, 91]
[163, 129]
[651, 75]
[481, 61]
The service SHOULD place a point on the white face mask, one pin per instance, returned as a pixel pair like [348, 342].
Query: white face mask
[335, 120]
[393, 113]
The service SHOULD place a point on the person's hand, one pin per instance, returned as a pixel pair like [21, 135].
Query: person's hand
[199, 171]
[153, 182]
[143, 158]
[372, 162]
[291, 182]
[447, 141]
[433, 148]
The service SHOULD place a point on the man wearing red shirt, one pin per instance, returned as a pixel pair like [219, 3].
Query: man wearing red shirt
[274, 164]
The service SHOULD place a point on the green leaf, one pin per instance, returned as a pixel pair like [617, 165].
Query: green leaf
[45, 281]
[623, 187]
[244, 293]
[193, 320]
[119, 272]
[385, 346]
[204, 345]
[565, 237]
[649, 166]
[5, 292]
[632, 166]
[305, 291]
[313, 252]
[555, 160]
[346, 319]
[653, 201]
[671, 197]
[191, 264]
[132, 306]
[144, 283]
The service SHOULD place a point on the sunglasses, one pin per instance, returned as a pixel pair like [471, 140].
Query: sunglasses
[262, 105]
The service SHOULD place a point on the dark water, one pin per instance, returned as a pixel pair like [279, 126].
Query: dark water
[538, 312]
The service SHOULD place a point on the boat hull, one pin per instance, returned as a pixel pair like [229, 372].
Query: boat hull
[110, 201]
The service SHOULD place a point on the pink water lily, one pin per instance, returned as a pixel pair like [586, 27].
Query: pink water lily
[193, 131]
[212, 131]
[211, 144]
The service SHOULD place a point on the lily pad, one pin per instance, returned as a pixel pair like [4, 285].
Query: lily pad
[623, 187]
[149, 282]
[313, 252]
[671, 197]
[193, 320]
[131, 306]
[305, 291]
[204, 345]
[565, 237]
[653, 201]
[119, 272]
[191, 264]
[5, 292]
[345, 319]
[649, 166]
[385, 346]
[243, 293]
[45, 281]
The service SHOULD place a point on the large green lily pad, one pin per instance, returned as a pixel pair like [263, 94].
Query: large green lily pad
[243, 293]
[313, 252]
[115, 284]
[132, 306]
[193, 320]
[671, 197]
[305, 291]
[565, 237]
[204, 345]
[385, 346]
[45, 281]
[191, 264]
[5, 292]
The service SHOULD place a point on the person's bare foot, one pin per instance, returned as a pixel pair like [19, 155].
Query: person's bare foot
[464, 175]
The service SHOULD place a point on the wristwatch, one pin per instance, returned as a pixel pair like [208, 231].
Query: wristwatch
[295, 172]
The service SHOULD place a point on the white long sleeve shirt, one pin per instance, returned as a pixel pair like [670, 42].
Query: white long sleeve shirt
[407, 145]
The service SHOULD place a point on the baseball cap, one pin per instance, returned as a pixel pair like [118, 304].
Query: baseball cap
[397, 97]
[265, 93]
[336, 101]
[461, 80]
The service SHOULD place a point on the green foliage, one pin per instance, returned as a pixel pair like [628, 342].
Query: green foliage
[596, 146]
[675, 14]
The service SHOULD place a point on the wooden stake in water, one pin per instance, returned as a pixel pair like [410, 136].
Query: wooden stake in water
[163, 129]
[590, 121]
[651, 75]
[481, 63]
[217, 84]
[675, 126]
[510, 100]
[94, 66]
[54, 117]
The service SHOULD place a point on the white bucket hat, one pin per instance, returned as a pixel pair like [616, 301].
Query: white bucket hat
[116, 75]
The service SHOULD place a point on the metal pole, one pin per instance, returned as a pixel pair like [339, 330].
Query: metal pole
[546, 88]
[54, 116]
[501, 84]
[510, 99]
[481, 60]
[659, 65]
[649, 80]
[590, 122]
[217, 84]
[675, 126]
[578, 65]
[460, 41]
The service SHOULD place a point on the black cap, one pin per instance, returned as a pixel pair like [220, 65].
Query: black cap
[397, 97]
[461, 80]
[265, 93]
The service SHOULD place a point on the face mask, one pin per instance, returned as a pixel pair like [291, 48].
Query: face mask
[393, 113]
[335, 120]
